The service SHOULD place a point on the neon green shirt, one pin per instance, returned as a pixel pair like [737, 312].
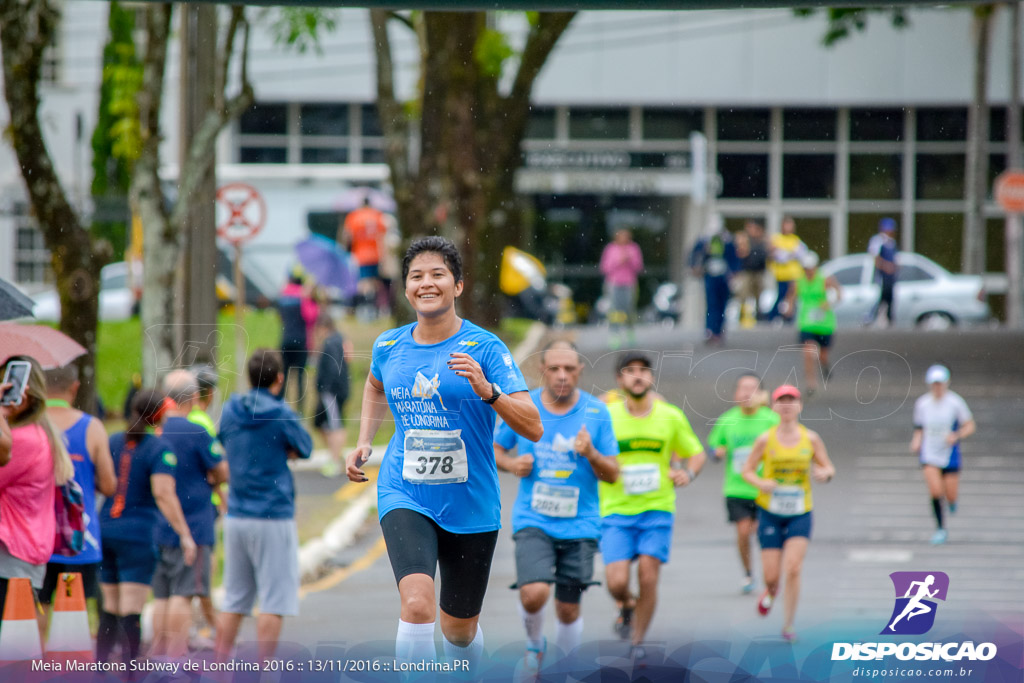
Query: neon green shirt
[814, 314]
[197, 416]
[737, 433]
[646, 445]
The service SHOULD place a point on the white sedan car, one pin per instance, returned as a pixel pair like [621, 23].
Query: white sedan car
[117, 300]
[926, 294]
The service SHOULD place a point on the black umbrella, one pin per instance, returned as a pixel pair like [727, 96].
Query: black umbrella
[13, 304]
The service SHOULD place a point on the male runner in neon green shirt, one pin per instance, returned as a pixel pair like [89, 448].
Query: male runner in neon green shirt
[658, 452]
[732, 437]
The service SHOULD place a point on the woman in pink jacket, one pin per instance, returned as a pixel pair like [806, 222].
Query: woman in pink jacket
[39, 462]
[621, 264]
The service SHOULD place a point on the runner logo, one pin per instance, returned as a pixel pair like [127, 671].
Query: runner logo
[916, 592]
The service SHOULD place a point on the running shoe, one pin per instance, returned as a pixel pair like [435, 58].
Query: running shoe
[533, 660]
[939, 537]
[747, 585]
[638, 656]
[623, 625]
[764, 603]
[789, 635]
[331, 469]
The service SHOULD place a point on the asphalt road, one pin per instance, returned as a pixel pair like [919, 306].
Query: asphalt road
[873, 519]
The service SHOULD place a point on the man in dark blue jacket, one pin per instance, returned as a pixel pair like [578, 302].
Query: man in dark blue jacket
[260, 434]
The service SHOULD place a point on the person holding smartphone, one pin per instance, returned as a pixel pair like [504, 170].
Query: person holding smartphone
[27, 481]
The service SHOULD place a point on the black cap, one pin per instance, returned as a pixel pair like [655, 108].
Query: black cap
[628, 357]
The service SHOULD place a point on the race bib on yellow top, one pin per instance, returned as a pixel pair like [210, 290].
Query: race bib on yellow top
[739, 458]
[555, 501]
[787, 501]
[640, 479]
[435, 457]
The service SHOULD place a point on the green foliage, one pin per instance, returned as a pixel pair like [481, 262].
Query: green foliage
[843, 21]
[491, 51]
[116, 140]
[300, 27]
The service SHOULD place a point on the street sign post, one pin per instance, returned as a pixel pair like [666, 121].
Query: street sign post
[241, 215]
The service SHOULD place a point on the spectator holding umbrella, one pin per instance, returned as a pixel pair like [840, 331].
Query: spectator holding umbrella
[298, 310]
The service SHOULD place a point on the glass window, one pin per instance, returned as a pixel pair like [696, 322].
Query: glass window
[264, 119]
[940, 176]
[850, 275]
[262, 155]
[599, 123]
[324, 155]
[939, 236]
[997, 124]
[995, 245]
[744, 176]
[947, 123]
[744, 124]
[323, 119]
[809, 124]
[876, 176]
[816, 233]
[808, 176]
[541, 124]
[663, 123]
[374, 155]
[861, 227]
[118, 281]
[996, 165]
[371, 121]
[910, 273]
[876, 124]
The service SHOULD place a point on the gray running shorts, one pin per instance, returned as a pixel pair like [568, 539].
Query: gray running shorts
[261, 560]
[173, 578]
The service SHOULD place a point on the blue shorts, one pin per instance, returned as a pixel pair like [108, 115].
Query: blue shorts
[127, 561]
[774, 530]
[370, 271]
[626, 537]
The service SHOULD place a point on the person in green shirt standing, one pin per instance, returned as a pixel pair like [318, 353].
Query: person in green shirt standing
[658, 452]
[815, 320]
[732, 437]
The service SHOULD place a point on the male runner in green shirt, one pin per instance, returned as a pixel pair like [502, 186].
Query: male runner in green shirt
[732, 437]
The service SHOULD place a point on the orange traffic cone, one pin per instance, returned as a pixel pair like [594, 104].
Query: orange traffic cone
[19, 632]
[69, 624]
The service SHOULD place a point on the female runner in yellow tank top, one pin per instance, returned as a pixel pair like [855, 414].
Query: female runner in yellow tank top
[791, 456]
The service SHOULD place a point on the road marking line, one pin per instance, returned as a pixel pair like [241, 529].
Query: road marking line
[342, 573]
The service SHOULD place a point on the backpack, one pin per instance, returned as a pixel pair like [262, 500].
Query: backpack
[69, 509]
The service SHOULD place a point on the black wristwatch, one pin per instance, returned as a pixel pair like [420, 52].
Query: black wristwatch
[495, 395]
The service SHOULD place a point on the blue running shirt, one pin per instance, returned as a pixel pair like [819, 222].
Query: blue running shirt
[440, 462]
[560, 476]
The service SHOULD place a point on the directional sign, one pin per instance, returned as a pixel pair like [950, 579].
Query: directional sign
[241, 212]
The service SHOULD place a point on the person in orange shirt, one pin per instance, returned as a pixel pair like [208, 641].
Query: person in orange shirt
[362, 233]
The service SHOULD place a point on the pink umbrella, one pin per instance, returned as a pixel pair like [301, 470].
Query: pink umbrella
[52, 348]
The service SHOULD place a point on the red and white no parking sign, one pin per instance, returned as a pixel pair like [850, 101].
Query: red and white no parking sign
[241, 212]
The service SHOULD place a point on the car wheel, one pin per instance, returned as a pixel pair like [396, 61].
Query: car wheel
[935, 320]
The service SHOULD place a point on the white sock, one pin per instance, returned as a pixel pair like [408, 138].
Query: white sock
[470, 653]
[569, 636]
[534, 624]
[415, 642]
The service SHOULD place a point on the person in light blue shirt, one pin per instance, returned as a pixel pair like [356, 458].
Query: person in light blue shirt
[556, 519]
[445, 381]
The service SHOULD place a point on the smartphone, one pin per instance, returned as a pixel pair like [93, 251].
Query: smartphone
[17, 374]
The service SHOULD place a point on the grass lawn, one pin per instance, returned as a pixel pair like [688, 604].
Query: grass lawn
[119, 357]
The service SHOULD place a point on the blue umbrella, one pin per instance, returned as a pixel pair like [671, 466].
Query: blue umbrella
[328, 263]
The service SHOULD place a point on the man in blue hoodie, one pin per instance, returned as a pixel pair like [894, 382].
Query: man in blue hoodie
[261, 544]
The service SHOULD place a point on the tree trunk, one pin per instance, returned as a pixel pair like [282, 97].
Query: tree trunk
[26, 28]
[468, 137]
[976, 175]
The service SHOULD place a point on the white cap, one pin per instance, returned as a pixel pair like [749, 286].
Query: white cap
[810, 260]
[937, 373]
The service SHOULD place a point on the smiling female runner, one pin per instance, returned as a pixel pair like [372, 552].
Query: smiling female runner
[444, 379]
